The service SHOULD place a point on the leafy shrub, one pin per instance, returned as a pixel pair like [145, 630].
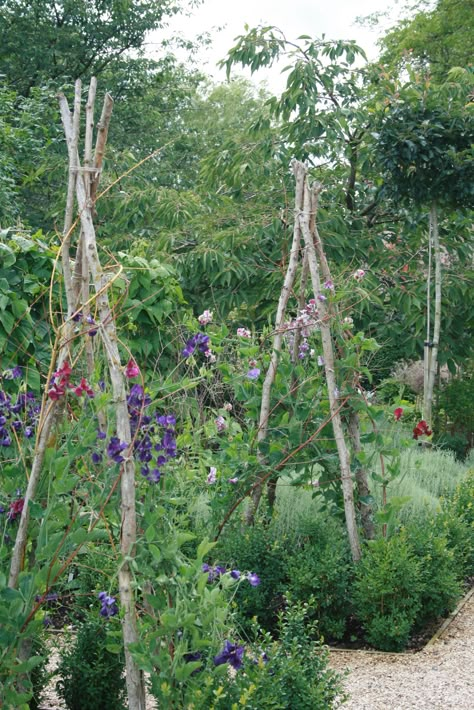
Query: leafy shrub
[291, 673]
[387, 592]
[456, 522]
[440, 584]
[454, 416]
[458, 443]
[319, 566]
[91, 677]
[257, 550]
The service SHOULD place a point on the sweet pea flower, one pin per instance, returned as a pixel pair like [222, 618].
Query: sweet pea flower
[329, 285]
[212, 476]
[233, 480]
[220, 423]
[253, 374]
[132, 370]
[253, 579]
[398, 413]
[358, 275]
[421, 429]
[205, 317]
[244, 333]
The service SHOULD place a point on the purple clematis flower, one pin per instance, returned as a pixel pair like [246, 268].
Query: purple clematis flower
[253, 374]
[231, 654]
[109, 607]
[253, 579]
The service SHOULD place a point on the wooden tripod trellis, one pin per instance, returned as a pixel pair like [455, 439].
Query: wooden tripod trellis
[306, 241]
[82, 189]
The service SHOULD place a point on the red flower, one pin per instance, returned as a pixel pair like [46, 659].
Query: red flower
[132, 370]
[421, 429]
[83, 387]
[60, 380]
[398, 413]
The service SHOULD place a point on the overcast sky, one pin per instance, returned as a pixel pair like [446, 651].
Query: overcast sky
[333, 18]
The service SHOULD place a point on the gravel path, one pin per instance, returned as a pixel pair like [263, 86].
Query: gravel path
[440, 677]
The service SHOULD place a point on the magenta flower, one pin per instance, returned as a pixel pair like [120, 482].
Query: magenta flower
[82, 388]
[329, 285]
[131, 370]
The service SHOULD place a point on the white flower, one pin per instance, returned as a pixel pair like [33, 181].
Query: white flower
[205, 317]
[244, 333]
[358, 275]
[212, 475]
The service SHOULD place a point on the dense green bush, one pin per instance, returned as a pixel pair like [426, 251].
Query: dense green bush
[319, 566]
[454, 419]
[256, 549]
[289, 674]
[91, 676]
[440, 583]
[456, 521]
[387, 592]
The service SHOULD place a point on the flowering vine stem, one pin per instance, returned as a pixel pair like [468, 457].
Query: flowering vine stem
[265, 476]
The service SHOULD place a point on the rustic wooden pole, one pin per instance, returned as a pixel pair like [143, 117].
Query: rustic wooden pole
[309, 206]
[134, 677]
[277, 343]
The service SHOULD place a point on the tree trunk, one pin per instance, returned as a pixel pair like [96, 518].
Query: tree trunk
[434, 346]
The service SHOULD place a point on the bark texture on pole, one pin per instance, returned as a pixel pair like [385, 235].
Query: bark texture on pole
[277, 339]
[306, 217]
[361, 475]
[134, 677]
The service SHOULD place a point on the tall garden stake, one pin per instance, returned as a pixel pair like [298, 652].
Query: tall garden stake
[306, 216]
[353, 426]
[277, 341]
[107, 330]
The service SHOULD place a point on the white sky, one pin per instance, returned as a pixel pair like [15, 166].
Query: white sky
[333, 18]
